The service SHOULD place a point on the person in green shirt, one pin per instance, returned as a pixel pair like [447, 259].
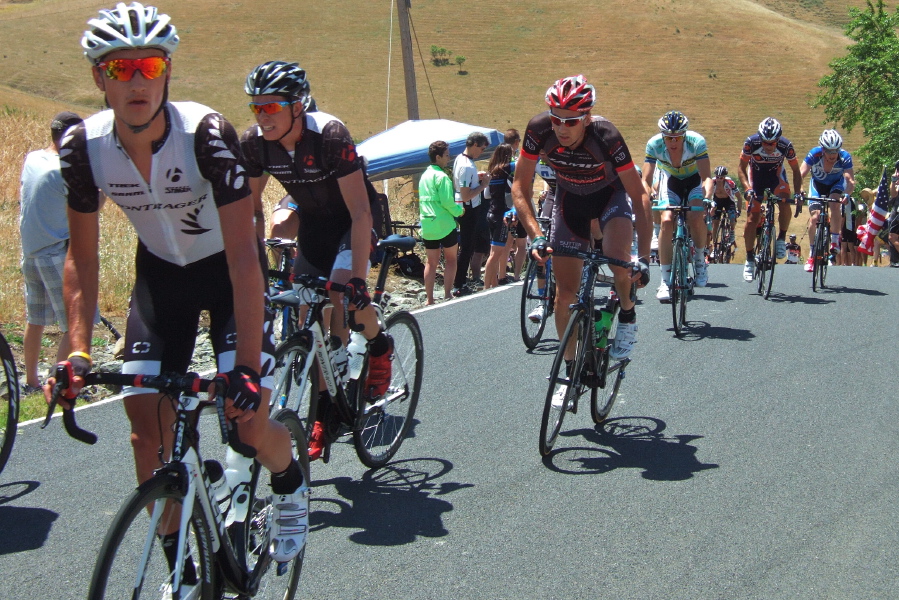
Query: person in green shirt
[438, 225]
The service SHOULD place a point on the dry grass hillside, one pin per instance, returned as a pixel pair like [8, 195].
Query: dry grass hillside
[725, 63]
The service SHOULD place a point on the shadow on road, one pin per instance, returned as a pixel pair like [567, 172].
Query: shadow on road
[23, 528]
[546, 346]
[631, 443]
[390, 506]
[848, 290]
[711, 297]
[793, 299]
[701, 330]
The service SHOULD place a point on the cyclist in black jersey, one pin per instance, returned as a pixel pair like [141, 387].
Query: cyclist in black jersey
[174, 169]
[313, 156]
[594, 177]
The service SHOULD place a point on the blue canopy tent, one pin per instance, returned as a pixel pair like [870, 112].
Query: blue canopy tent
[403, 149]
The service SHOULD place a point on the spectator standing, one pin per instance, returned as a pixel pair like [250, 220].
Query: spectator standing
[468, 184]
[499, 215]
[893, 237]
[438, 208]
[44, 231]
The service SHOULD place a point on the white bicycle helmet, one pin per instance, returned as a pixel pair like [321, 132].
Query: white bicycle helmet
[770, 129]
[279, 78]
[830, 140]
[126, 27]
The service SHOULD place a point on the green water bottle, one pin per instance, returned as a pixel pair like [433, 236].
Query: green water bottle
[603, 323]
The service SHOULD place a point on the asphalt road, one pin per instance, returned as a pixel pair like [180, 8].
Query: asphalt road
[754, 458]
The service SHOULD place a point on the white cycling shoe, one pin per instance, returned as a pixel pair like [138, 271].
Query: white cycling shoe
[289, 524]
[625, 340]
[537, 314]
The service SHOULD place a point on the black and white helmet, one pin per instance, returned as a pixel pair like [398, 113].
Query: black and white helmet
[770, 129]
[279, 78]
[721, 171]
[673, 122]
[128, 27]
[831, 140]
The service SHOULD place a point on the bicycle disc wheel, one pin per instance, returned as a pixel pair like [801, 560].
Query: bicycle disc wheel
[291, 390]
[382, 423]
[531, 300]
[679, 288]
[772, 262]
[551, 423]
[600, 411]
[761, 262]
[251, 537]
[9, 402]
[131, 562]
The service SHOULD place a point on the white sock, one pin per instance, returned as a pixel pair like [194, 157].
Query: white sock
[666, 274]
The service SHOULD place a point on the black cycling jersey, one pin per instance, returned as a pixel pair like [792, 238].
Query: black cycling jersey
[325, 153]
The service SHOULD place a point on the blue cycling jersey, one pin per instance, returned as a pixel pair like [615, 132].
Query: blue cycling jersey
[815, 161]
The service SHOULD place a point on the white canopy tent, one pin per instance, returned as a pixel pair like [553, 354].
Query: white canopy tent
[403, 149]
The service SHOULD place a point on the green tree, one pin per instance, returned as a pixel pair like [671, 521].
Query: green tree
[863, 87]
[460, 60]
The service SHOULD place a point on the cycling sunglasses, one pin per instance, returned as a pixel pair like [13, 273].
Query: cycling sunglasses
[567, 122]
[269, 108]
[123, 69]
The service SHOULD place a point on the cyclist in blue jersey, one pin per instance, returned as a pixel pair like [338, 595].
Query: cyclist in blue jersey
[763, 155]
[832, 177]
[685, 178]
[175, 170]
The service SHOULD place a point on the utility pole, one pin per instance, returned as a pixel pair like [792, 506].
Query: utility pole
[403, 7]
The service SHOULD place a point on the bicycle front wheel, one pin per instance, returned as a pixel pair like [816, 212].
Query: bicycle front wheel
[600, 410]
[382, 423]
[680, 287]
[534, 304]
[292, 390]
[772, 262]
[761, 261]
[251, 537]
[132, 563]
[9, 402]
[564, 390]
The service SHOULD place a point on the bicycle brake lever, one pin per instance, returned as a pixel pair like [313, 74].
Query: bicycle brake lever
[68, 418]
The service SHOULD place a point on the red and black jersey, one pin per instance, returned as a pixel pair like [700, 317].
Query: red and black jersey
[590, 167]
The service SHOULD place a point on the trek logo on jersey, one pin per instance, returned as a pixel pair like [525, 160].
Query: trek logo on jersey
[193, 222]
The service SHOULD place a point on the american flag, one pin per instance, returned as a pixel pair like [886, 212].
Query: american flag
[877, 215]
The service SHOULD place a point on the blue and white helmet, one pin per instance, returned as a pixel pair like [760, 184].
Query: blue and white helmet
[128, 27]
[770, 129]
[673, 122]
[831, 140]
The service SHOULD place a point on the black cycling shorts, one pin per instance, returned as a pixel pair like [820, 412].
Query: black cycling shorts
[165, 307]
[572, 214]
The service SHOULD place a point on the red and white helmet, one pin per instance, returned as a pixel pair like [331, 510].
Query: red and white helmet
[571, 93]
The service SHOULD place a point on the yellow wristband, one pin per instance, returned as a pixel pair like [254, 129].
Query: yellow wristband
[83, 355]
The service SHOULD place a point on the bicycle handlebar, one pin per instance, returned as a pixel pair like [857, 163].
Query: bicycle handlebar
[167, 382]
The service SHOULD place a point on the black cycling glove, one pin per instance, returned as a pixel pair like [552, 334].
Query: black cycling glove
[540, 244]
[68, 370]
[356, 293]
[243, 387]
[643, 267]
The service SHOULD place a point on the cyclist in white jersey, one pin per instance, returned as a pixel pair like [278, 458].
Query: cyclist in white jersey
[174, 168]
[685, 179]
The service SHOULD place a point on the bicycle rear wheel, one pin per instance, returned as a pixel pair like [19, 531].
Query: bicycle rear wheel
[600, 411]
[680, 287]
[382, 423]
[131, 562]
[531, 300]
[718, 244]
[568, 389]
[251, 537]
[9, 402]
[291, 390]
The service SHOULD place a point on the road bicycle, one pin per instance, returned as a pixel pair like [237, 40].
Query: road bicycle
[539, 290]
[588, 328]
[309, 357]
[724, 242]
[682, 270]
[821, 245]
[9, 401]
[222, 517]
[765, 250]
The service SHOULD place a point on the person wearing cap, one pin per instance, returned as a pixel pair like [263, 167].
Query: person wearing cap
[175, 169]
[44, 231]
[793, 251]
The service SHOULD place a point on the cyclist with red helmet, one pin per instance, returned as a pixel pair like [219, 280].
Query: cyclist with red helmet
[764, 154]
[595, 174]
